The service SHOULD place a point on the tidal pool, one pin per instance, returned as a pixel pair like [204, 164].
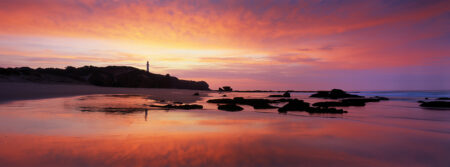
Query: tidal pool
[121, 130]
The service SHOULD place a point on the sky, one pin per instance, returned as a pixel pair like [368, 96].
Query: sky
[245, 44]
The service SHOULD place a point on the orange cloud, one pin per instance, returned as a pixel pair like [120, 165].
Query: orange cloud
[228, 35]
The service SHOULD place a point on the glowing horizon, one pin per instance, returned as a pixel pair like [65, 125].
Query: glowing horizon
[301, 45]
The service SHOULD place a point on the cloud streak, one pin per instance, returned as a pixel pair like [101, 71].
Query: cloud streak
[307, 36]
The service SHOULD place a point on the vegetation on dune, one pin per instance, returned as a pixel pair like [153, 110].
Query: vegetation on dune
[111, 76]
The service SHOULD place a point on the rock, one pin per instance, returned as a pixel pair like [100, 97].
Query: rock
[333, 94]
[443, 98]
[224, 95]
[286, 94]
[275, 95]
[184, 107]
[189, 107]
[300, 105]
[295, 105]
[255, 103]
[230, 107]
[177, 102]
[196, 94]
[222, 101]
[283, 100]
[439, 104]
[227, 89]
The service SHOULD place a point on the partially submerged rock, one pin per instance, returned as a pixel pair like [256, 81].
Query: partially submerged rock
[295, 105]
[222, 101]
[283, 100]
[255, 103]
[226, 89]
[438, 104]
[230, 107]
[300, 105]
[183, 107]
[196, 94]
[333, 94]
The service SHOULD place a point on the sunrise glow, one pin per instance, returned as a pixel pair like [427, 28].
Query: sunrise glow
[276, 45]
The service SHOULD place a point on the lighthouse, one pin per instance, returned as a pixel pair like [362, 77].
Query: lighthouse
[147, 66]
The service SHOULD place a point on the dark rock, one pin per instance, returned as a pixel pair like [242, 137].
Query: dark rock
[283, 100]
[227, 89]
[183, 107]
[189, 107]
[300, 105]
[177, 102]
[275, 95]
[230, 107]
[295, 105]
[224, 95]
[222, 101]
[333, 94]
[255, 103]
[286, 94]
[196, 94]
[439, 104]
[443, 98]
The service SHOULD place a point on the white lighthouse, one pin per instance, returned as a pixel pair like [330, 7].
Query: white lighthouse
[147, 66]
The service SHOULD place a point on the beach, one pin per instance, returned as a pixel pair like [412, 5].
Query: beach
[10, 91]
[95, 126]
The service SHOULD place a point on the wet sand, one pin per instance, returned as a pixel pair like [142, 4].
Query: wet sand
[10, 91]
[60, 132]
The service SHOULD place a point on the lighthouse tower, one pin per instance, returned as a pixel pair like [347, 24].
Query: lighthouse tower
[147, 66]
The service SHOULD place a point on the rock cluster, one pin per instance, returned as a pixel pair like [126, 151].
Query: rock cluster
[333, 94]
[437, 104]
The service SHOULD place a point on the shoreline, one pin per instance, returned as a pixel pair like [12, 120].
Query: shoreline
[12, 91]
